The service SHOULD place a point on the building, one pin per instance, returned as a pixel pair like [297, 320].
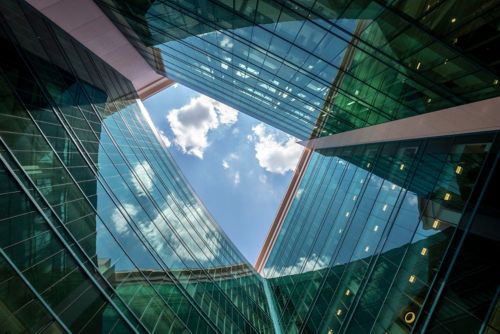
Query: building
[91, 201]
[390, 224]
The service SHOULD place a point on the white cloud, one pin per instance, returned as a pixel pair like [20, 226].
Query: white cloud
[275, 156]
[165, 139]
[236, 179]
[144, 173]
[225, 164]
[119, 221]
[303, 264]
[191, 123]
[226, 42]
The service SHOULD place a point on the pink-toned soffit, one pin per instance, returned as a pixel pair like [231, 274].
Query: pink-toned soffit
[87, 23]
[468, 118]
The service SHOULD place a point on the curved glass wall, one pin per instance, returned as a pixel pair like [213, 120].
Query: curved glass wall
[100, 231]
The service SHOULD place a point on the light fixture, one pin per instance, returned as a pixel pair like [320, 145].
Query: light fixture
[436, 223]
[347, 214]
[375, 228]
[410, 317]
[423, 252]
[368, 165]
[384, 208]
[330, 331]
[340, 230]
[459, 170]
[367, 248]
[393, 186]
[412, 279]
[447, 196]
[418, 65]
[354, 197]
[402, 167]
[495, 82]
[453, 20]
[350, 103]
[347, 292]
[429, 100]
[339, 312]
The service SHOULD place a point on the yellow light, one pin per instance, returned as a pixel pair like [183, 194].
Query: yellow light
[453, 20]
[418, 65]
[347, 292]
[429, 100]
[412, 279]
[423, 252]
[436, 223]
[495, 82]
[339, 312]
[447, 196]
[330, 331]
[402, 166]
[368, 165]
[459, 170]
[410, 317]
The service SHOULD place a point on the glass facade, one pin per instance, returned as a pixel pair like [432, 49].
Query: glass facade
[318, 67]
[373, 230]
[100, 232]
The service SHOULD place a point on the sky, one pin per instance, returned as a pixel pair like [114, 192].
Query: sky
[239, 167]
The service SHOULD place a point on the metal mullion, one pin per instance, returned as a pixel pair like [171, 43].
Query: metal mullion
[344, 174]
[71, 176]
[29, 68]
[437, 39]
[309, 181]
[467, 222]
[208, 276]
[299, 240]
[249, 44]
[347, 229]
[382, 241]
[160, 193]
[378, 49]
[174, 231]
[145, 239]
[342, 238]
[423, 146]
[48, 204]
[194, 195]
[55, 231]
[173, 185]
[181, 191]
[32, 289]
[307, 316]
[330, 203]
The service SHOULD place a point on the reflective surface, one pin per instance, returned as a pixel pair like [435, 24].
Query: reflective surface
[372, 232]
[315, 68]
[99, 231]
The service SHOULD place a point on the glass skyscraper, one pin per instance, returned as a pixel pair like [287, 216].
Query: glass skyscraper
[391, 221]
[100, 231]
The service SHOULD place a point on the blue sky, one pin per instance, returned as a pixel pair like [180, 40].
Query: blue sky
[239, 167]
